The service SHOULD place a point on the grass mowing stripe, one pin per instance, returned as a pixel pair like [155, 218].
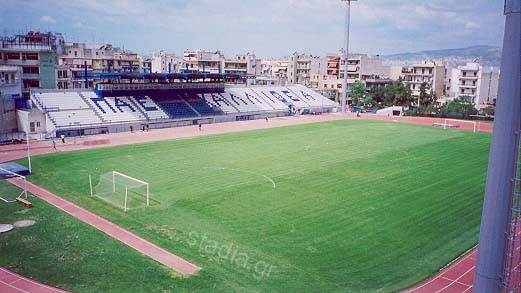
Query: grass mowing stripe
[358, 206]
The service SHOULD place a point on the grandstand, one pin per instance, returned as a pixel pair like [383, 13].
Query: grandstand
[72, 112]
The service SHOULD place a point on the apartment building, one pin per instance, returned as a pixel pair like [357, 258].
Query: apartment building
[361, 67]
[245, 64]
[79, 58]
[146, 64]
[10, 95]
[429, 72]
[163, 62]
[35, 53]
[212, 62]
[301, 67]
[474, 81]
[273, 72]
[489, 86]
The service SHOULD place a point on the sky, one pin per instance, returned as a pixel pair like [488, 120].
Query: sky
[268, 28]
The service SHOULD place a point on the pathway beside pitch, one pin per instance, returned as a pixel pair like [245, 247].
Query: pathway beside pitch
[143, 246]
[11, 282]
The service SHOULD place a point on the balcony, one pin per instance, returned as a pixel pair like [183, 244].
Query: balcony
[20, 62]
[468, 86]
[30, 76]
[11, 88]
[468, 77]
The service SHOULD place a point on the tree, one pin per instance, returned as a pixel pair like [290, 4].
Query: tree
[377, 94]
[427, 99]
[397, 94]
[357, 92]
[461, 105]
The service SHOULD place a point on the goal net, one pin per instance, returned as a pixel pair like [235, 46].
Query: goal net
[9, 186]
[464, 124]
[122, 190]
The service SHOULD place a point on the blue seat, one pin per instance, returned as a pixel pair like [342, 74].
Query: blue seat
[201, 106]
[177, 109]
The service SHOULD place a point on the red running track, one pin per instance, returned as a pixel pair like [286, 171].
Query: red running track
[14, 283]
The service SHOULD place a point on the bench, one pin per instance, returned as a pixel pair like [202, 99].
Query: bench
[24, 202]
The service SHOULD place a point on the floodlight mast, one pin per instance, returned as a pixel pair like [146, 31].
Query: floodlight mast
[499, 216]
[346, 54]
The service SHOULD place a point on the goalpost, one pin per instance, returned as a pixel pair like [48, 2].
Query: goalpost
[121, 190]
[446, 124]
[8, 191]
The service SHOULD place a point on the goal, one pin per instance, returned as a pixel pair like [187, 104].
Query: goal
[9, 192]
[455, 123]
[121, 190]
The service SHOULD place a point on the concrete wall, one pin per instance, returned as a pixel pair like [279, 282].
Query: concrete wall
[47, 70]
[8, 123]
[36, 119]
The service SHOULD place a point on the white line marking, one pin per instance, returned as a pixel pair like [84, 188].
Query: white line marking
[245, 171]
[456, 281]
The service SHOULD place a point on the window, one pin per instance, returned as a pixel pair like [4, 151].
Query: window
[75, 53]
[31, 83]
[31, 70]
[13, 56]
[31, 56]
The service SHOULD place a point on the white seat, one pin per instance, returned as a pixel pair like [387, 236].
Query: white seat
[115, 109]
[311, 97]
[246, 101]
[268, 95]
[61, 101]
[219, 101]
[150, 108]
[74, 117]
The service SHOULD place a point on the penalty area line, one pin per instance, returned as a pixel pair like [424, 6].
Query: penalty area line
[245, 171]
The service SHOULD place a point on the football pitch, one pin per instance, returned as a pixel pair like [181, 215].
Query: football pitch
[356, 206]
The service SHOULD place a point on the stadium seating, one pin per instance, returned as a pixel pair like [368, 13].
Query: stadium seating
[219, 101]
[177, 109]
[201, 106]
[310, 97]
[246, 101]
[69, 108]
[116, 109]
[74, 117]
[55, 101]
[265, 95]
[150, 108]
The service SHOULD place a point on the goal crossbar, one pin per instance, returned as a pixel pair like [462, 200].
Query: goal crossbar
[129, 177]
[114, 185]
[474, 123]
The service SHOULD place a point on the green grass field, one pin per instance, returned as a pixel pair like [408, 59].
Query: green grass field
[356, 206]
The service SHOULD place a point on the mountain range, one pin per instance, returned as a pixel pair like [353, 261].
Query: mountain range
[486, 55]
